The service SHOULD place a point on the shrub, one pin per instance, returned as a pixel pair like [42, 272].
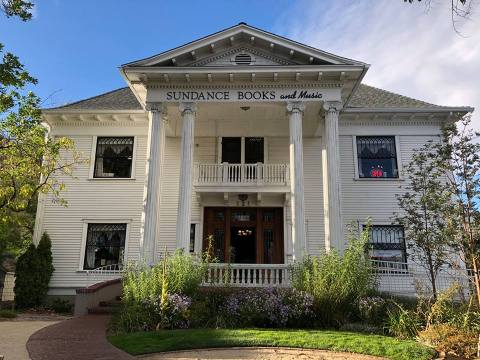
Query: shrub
[268, 308]
[60, 306]
[403, 323]
[33, 272]
[7, 314]
[450, 339]
[336, 282]
[373, 309]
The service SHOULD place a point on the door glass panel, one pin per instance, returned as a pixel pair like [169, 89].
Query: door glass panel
[268, 248]
[254, 150]
[231, 150]
[242, 216]
[219, 245]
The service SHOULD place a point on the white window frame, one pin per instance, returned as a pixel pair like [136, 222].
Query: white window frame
[398, 155]
[242, 148]
[93, 155]
[102, 221]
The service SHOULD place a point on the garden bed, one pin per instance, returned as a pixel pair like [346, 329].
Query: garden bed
[170, 340]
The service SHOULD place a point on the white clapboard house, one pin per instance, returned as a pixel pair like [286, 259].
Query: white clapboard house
[270, 146]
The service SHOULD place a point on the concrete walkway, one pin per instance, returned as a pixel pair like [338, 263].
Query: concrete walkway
[14, 335]
[75, 339]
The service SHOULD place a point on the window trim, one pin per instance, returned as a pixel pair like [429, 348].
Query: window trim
[398, 156]
[242, 148]
[93, 155]
[102, 221]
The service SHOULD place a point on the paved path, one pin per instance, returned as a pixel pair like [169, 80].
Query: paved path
[14, 335]
[79, 338]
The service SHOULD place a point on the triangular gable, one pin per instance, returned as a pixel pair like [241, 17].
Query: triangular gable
[270, 48]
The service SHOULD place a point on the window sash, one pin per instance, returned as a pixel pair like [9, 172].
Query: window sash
[377, 157]
[105, 245]
[119, 159]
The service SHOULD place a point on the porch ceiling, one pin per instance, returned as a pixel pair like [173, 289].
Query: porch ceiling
[245, 119]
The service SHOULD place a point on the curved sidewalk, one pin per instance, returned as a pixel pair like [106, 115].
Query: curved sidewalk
[75, 339]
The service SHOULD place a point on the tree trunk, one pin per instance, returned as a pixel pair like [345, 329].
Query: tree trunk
[431, 270]
[476, 278]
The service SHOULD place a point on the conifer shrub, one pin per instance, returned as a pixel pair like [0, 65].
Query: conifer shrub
[33, 272]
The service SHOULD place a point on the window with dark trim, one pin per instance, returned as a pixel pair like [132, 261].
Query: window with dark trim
[377, 157]
[387, 243]
[105, 245]
[113, 157]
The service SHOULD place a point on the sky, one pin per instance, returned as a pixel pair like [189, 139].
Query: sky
[74, 48]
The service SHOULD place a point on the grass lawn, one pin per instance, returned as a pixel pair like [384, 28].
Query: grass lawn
[169, 340]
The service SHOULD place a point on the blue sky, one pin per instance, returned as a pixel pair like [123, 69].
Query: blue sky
[74, 48]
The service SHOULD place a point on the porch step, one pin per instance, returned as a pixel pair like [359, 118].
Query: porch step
[111, 303]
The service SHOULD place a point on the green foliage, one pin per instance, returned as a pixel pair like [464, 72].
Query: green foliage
[403, 323]
[336, 282]
[33, 272]
[424, 205]
[60, 306]
[178, 274]
[7, 314]
[377, 345]
[20, 8]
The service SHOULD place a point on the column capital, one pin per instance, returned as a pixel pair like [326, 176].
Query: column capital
[295, 106]
[332, 105]
[187, 107]
[157, 107]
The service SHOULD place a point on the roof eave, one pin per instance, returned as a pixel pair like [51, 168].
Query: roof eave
[461, 109]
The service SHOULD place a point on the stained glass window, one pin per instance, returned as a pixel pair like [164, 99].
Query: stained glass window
[113, 158]
[387, 243]
[377, 157]
[105, 245]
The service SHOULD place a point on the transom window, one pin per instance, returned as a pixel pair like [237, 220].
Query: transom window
[377, 157]
[113, 158]
[105, 245]
[387, 243]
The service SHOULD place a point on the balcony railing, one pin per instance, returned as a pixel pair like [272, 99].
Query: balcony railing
[248, 275]
[242, 174]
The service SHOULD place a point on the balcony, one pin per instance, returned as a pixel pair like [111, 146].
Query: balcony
[254, 177]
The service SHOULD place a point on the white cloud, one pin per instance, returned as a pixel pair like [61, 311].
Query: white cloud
[412, 51]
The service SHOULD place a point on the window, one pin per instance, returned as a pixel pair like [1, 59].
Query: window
[105, 245]
[113, 158]
[192, 237]
[387, 243]
[377, 157]
[248, 150]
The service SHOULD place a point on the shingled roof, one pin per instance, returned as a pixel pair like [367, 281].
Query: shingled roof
[365, 97]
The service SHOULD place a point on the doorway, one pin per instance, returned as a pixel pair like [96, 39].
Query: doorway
[244, 235]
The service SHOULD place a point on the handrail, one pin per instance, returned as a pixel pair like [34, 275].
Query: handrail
[242, 174]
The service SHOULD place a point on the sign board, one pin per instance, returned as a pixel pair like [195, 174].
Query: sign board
[242, 94]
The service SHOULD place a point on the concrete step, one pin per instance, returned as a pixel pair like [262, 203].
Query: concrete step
[111, 303]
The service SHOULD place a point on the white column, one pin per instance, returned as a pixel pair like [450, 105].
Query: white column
[188, 111]
[297, 201]
[153, 175]
[331, 177]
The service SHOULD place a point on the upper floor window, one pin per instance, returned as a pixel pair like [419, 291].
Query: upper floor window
[387, 243]
[248, 150]
[113, 158]
[105, 245]
[377, 157]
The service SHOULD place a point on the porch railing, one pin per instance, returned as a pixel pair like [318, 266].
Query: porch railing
[103, 273]
[248, 275]
[242, 174]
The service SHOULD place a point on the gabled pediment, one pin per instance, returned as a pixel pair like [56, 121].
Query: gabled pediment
[263, 47]
[242, 55]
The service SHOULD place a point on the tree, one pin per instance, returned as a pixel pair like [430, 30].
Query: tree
[30, 162]
[459, 158]
[460, 9]
[33, 272]
[424, 205]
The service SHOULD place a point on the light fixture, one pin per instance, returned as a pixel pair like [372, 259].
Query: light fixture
[245, 108]
[243, 198]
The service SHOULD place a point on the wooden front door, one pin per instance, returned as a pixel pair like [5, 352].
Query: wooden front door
[244, 235]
